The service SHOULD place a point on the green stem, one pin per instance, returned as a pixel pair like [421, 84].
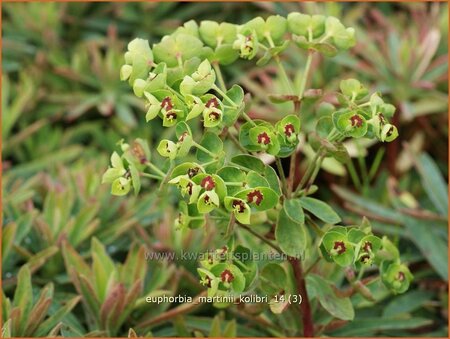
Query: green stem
[264, 47]
[314, 174]
[282, 176]
[163, 186]
[305, 75]
[233, 183]
[280, 66]
[309, 269]
[362, 167]
[203, 149]
[219, 76]
[212, 217]
[224, 95]
[354, 175]
[284, 74]
[155, 169]
[209, 163]
[315, 227]
[247, 118]
[236, 142]
[180, 61]
[376, 163]
[262, 238]
[290, 182]
[152, 176]
[176, 93]
[309, 170]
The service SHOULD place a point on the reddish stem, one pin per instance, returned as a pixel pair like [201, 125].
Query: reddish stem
[308, 326]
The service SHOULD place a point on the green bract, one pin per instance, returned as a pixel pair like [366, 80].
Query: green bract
[350, 124]
[215, 34]
[138, 61]
[304, 25]
[396, 276]
[200, 81]
[339, 248]
[353, 89]
[167, 149]
[265, 139]
[342, 37]
[289, 128]
[275, 27]
[212, 111]
[240, 209]
[247, 44]
[173, 50]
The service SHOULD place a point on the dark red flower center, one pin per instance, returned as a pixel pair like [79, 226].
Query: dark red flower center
[171, 115]
[227, 276]
[138, 152]
[390, 131]
[263, 138]
[167, 103]
[212, 103]
[189, 188]
[214, 116]
[208, 183]
[356, 120]
[289, 129]
[182, 136]
[339, 246]
[365, 258]
[208, 282]
[240, 205]
[255, 196]
[367, 246]
[192, 172]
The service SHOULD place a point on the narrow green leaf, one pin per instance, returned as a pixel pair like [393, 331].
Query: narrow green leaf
[41, 257]
[8, 234]
[215, 331]
[23, 297]
[406, 303]
[50, 323]
[433, 182]
[340, 308]
[430, 243]
[320, 209]
[373, 326]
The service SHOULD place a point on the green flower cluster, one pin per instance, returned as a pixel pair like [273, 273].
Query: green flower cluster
[124, 171]
[176, 75]
[362, 117]
[227, 271]
[358, 247]
[207, 192]
[327, 35]
[279, 140]
[177, 79]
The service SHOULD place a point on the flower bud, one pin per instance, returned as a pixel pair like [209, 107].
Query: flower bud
[247, 45]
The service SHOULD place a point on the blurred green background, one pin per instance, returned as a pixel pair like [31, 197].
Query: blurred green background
[64, 109]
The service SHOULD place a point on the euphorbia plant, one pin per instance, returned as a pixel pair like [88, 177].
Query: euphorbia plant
[181, 83]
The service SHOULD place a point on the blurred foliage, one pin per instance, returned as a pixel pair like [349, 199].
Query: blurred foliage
[63, 108]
